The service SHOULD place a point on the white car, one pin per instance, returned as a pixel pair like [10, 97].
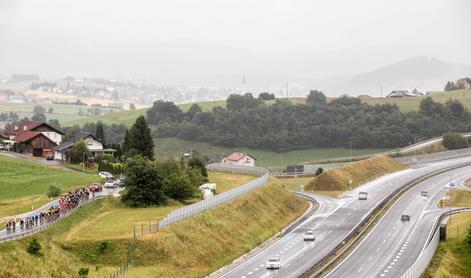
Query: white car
[274, 263]
[309, 236]
[105, 175]
[111, 184]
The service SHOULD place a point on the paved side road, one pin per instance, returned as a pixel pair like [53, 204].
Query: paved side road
[330, 229]
[4, 235]
[392, 247]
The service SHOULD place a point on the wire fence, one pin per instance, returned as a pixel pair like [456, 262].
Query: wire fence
[194, 209]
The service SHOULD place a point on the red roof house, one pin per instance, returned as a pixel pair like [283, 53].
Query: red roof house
[238, 158]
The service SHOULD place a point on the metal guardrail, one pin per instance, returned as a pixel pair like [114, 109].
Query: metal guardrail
[26, 232]
[422, 262]
[194, 209]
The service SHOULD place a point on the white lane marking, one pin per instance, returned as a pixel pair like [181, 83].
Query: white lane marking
[359, 269]
[370, 258]
[250, 273]
[377, 249]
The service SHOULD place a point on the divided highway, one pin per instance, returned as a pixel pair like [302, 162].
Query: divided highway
[330, 226]
[393, 246]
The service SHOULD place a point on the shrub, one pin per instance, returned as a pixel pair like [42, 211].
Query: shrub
[83, 272]
[319, 171]
[468, 238]
[34, 247]
[453, 141]
[54, 191]
[103, 247]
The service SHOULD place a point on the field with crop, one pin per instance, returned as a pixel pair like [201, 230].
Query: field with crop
[62, 112]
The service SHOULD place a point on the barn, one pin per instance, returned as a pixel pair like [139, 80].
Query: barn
[35, 143]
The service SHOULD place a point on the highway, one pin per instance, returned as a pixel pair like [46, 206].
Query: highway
[330, 227]
[393, 246]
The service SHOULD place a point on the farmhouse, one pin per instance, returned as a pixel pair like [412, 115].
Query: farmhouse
[404, 93]
[239, 159]
[36, 138]
[94, 146]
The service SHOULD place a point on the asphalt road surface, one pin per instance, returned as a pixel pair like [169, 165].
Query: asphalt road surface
[330, 227]
[392, 247]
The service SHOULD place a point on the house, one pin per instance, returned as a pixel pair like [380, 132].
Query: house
[404, 93]
[34, 137]
[94, 145]
[239, 159]
[49, 131]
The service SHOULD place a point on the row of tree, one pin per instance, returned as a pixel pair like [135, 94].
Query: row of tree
[281, 126]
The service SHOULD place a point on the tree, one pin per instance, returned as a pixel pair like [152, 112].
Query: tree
[194, 109]
[100, 133]
[429, 107]
[39, 117]
[453, 141]
[55, 123]
[126, 144]
[144, 184]
[198, 164]
[34, 247]
[319, 171]
[54, 191]
[266, 96]
[79, 152]
[316, 97]
[38, 109]
[454, 108]
[468, 237]
[179, 187]
[164, 111]
[132, 106]
[140, 139]
[50, 110]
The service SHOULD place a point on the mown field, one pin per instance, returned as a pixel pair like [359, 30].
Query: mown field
[62, 112]
[24, 184]
[216, 238]
[165, 147]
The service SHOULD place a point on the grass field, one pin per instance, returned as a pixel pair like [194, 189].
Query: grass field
[453, 256]
[216, 237]
[272, 160]
[62, 112]
[294, 184]
[24, 184]
[358, 172]
[460, 198]
[226, 181]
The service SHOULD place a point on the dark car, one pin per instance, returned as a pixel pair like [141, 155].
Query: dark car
[50, 157]
[405, 217]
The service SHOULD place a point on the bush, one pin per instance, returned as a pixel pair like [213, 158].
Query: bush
[468, 238]
[103, 247]
[319, 171]
[34, 247]
[83, 272]
[54, 191]
[453, 141]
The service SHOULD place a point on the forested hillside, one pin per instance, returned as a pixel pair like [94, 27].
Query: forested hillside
[249, 122]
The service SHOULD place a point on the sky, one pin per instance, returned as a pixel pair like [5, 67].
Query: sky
[219, 41]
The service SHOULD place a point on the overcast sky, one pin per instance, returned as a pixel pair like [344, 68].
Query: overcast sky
[184, 41]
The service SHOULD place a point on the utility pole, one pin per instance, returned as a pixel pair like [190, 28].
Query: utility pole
[350, 151]
[287, 95]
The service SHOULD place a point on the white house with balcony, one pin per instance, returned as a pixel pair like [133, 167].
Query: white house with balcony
[239, 159]
[94, 145]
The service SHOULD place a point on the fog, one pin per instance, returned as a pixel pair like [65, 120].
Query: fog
[216, 42]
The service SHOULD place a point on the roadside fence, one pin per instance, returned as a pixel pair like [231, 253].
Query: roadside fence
[194, 209]
[422, 262]
[426, 158]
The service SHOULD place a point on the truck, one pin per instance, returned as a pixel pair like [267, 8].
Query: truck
[362, 196]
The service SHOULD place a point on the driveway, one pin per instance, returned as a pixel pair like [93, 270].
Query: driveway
[38, 160]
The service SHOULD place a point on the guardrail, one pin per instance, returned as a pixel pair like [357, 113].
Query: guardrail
[419, 266]
[26, 232]
[194, 209]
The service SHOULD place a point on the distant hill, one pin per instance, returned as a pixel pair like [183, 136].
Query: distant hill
[423, 73]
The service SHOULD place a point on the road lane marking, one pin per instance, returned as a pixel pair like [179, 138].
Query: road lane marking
[359, 269]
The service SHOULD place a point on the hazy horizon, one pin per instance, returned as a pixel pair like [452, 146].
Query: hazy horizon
[217, 42]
